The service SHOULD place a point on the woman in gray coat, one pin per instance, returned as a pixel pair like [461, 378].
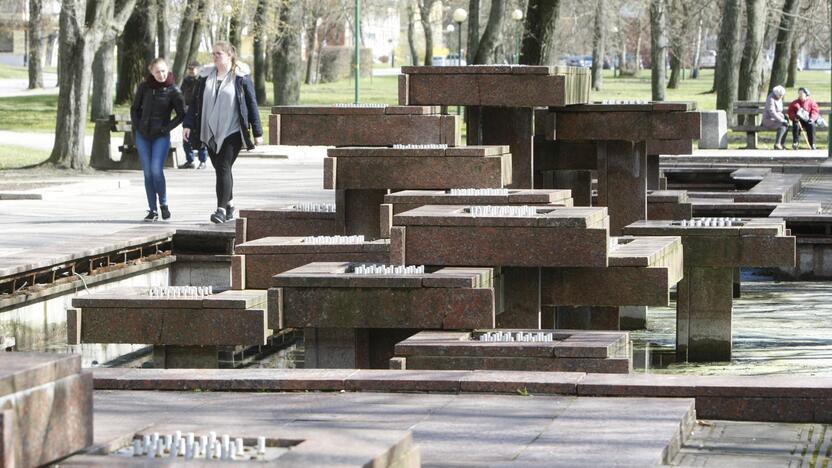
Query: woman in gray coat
[773, 117]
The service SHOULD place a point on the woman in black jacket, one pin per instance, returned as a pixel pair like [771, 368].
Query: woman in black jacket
[223, 110]
[156, 97]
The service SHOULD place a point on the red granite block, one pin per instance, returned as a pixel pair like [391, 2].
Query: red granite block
[403, 90]
[355, 130]
[330, 171]
[550, 383]
[288, 223]
[404, 381]
[684, 146]
[185, 327]
[423, 172]
[274, 308]
[484, 89]
[223, 379]
[73, 326]
[260, 268]
[627, 126]
[274, 129]
[240, 231]
[613, 365]
[756, 409]
[505, 246]
[431, 308]
[386, 220]
[397, 252]
[238, 272]
[614, 286]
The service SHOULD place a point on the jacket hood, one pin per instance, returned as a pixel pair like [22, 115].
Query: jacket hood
[241, 70]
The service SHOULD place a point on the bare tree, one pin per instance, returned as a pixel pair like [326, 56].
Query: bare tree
[726, 59]
[81, 30]
[136, 48]
[491, 35]
[259, 32]
[598, 42]
[35, 60]
[103, 76]
[794, 57]
[539, 36]
[183, 40]
[287, 56]
[679, 20]
[782, 49]
[752, 54]
[162, 32]
[200, 23]
[473, 30]
[411, 39]
[658, 48]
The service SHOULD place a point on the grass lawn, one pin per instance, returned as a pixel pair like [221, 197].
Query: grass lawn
[13, 157]
[37, 113]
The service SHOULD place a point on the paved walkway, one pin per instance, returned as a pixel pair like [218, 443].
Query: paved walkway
[451, 430]
[19, 87]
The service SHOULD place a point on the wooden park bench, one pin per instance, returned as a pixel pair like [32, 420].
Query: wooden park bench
[102, 157]
[750, 110]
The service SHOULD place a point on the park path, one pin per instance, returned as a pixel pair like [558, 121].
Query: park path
[12, 87]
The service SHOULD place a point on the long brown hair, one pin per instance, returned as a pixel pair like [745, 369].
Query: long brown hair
[229, 49]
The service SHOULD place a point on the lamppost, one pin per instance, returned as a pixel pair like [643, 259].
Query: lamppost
[517, 15]
[450, 30]
[459, 17]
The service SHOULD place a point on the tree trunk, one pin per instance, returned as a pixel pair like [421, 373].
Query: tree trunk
[678, 21]
[183, 40]
[473, 30]
[103, 80]
[658, 48]
[260, 52]
[780, 64]
[752, 54]
[726, 59]
[639, 37]
[794, 57]
[136, 48]
[287, 57]
[35, 61]
[311, 41]
[200, 21]
[424, 17]
[411, 37]
[162, 28]
[598, 42]
[539, 32]
[694, 73]
[78, 42]
[491, 35]
[235, 29]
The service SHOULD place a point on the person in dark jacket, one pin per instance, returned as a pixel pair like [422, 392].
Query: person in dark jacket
[188, 85]
[155, 98]
[223, 116]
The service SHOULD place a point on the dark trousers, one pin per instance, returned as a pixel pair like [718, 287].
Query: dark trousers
[808, 125]
[782, 131]
[223, 160]
[189, 152]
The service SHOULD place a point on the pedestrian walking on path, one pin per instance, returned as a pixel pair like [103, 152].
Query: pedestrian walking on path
[223, 116]
[156, 97]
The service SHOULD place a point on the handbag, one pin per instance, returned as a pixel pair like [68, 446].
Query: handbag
[821, 123]
[802, 114]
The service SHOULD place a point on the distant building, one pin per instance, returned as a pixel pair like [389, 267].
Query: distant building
[14, 32]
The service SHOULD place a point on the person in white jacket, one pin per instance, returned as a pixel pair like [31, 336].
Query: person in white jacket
[774, 118]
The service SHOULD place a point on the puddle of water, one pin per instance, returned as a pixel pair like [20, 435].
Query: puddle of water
[778, 328]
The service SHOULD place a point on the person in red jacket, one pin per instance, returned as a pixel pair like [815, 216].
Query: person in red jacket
[804, 113]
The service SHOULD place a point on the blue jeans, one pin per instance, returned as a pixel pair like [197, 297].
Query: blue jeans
[152, 154]
[189, 153]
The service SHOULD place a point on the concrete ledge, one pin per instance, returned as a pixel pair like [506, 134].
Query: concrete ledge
[745, 398]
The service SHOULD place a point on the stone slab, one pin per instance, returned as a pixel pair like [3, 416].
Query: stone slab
[138, 297]
[505, 246]
[285, 221]
[423, 172]
[48, 422]
[487, 89]
[414, 198]
[431, 308]
[371, 129]
[181, 326]
[627, 125]
[24, 371]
